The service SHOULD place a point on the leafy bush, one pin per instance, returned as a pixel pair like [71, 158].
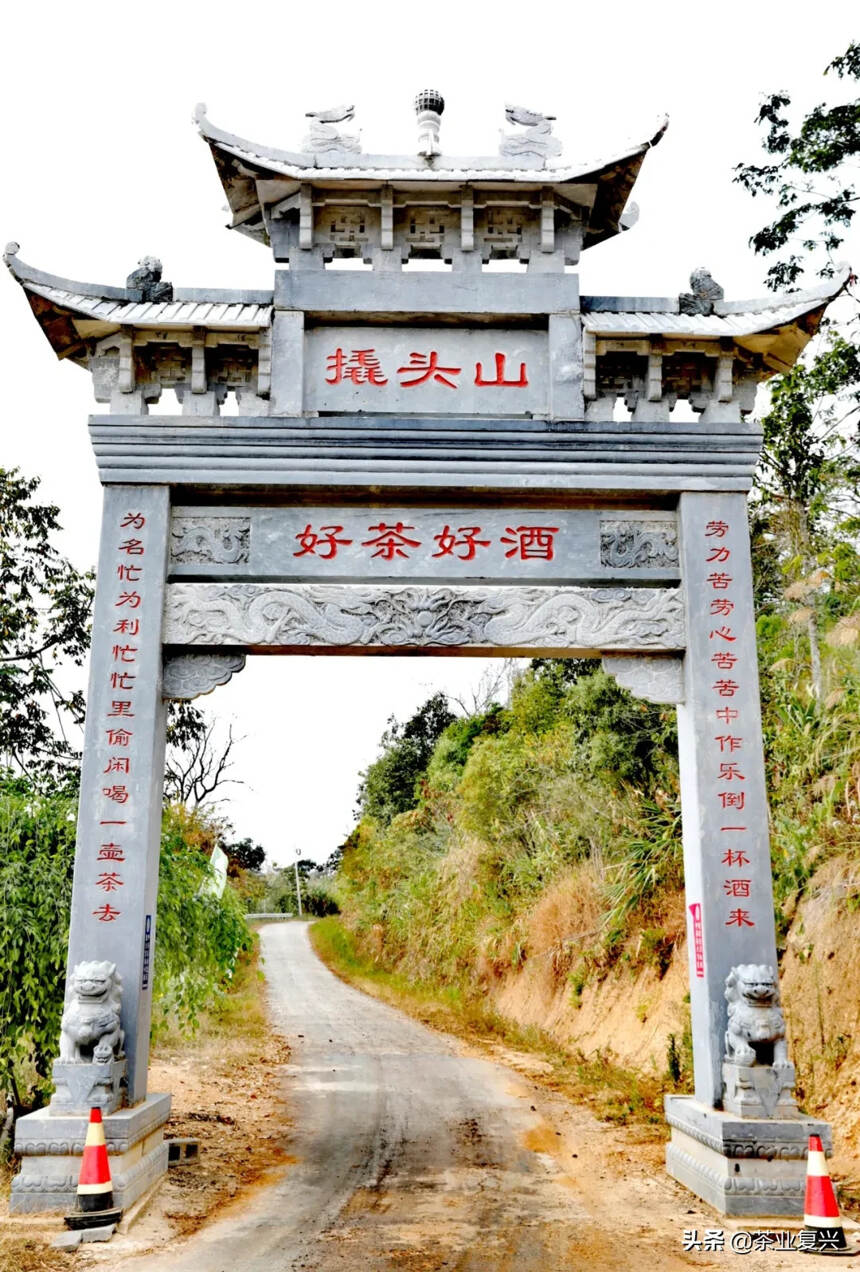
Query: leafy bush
[198, 936]
[37, 848]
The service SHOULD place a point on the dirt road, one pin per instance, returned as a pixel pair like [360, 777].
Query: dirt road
[413, 1154]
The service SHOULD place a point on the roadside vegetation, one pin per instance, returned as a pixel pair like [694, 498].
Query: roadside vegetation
[544, 830]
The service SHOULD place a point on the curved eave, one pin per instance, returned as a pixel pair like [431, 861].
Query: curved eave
[777, 327]
[73, 315]
[244, 165]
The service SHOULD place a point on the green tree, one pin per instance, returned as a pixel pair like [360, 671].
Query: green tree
[245, 854]
[806, 513]
[812, 177]
[389, 785]
[44, 621]
[807, 482]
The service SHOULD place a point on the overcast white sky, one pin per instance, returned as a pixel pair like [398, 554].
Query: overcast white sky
[103, 165]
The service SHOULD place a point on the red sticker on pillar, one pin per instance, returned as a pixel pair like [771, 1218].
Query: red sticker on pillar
[698, 939]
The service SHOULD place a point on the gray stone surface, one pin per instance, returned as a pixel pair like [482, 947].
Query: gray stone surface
[742, 1167]
[187, 676]
[734, 1136]
[503, 619]
[88, 1085]
[67, 1241]
[725, 827]
[404, 453]
[287, 361]
[759, 1090]
[51, 1146]
[432, 370]
[119, 817]
[654, 679]
[103, 1233]
[335, 542]
[46, 1133]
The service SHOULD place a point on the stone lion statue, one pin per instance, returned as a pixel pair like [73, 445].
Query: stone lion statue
[90, 1028]
[756, 1032]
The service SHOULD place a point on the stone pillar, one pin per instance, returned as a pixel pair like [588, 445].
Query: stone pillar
[119, 813]
[116, 856]
[726, 847]
[741, 1165]
[288, 335]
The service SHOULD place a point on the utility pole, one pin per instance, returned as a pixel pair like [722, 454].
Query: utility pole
[298, 886]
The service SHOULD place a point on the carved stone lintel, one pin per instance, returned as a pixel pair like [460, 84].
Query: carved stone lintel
[658, 680]
[188, 676]
[393, 616]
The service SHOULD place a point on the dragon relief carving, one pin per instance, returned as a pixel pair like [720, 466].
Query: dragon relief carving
[628, 545]
[210, 540]
[392, 616]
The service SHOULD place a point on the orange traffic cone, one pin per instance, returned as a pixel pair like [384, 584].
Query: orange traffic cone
[95, 1189]
[823, 1232]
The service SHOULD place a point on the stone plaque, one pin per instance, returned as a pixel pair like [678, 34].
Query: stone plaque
[338, 543]
[426, 371]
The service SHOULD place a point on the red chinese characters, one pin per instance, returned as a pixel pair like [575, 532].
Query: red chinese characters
[462, 543]
[121, 677]
[323, 543]
[391, 541]
[107, 913]
[727, 771]
[364, 367]
[425, 366]
[500, 380]
[531, 542]
[360, 366]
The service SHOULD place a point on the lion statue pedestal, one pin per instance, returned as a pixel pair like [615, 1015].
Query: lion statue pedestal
[758, 1077]
[91, 1070]
[747, 1158]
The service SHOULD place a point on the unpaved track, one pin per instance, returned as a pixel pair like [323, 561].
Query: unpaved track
[411, 1155]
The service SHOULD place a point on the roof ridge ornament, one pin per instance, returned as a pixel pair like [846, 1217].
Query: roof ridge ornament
[706, 293]
[536, 140]
[323, 138]
[144, 283]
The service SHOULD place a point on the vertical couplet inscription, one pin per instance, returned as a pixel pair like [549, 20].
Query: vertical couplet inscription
[119, 811]
[129, 617]
[727, 738]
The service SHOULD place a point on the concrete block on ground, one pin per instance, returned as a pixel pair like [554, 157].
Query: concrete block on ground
[103, 1233]
[67, 1241]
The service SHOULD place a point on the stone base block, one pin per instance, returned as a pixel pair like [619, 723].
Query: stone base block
[741, 1166]
[759, 1091]
[51, 1148]
[87, 1085]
